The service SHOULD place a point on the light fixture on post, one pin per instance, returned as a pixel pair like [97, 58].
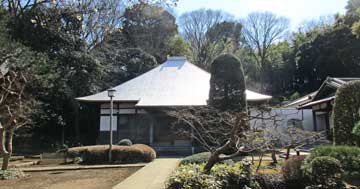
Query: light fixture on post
[111, 94]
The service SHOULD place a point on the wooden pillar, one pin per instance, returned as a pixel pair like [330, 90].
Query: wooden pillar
[327, 123]
[192, 141]
[314, 120]
[151, 132]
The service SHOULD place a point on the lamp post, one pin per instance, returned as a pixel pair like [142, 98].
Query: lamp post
[111, 94]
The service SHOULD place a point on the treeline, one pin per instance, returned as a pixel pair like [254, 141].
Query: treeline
[76, 48]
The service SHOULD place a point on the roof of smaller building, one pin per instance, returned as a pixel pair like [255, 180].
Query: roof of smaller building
[325, 93]
[310, 104]
[302, 100]
[176, 82]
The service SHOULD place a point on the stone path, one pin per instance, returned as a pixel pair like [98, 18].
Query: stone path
[152, 176]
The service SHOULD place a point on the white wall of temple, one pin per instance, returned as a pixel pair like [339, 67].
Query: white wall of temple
[118, 110]
[284, 118]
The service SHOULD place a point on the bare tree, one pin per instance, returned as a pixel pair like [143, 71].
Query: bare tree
[261, 30]
[194, 26]
[222, 133]
[321, 23]
[100, 18]
[277, 135]
[97, 18]
[13, 102]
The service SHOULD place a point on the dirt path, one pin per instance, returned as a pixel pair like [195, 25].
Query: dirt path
[79, 179]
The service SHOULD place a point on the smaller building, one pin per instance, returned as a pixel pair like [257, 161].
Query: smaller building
[321, 102]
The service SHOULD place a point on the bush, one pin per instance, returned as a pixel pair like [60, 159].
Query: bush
[199, 158]
[349, 156]
[125, 142]
[121, 154]
[270, 181]
[221, 176]
[292, 172]
[346, 113]
[11, 174]
[196, 158]
[326, 171]
[234, 176]
[190, 176]
[148, 153]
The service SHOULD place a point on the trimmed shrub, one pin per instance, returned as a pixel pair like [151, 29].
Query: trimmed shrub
[346, 113]
[227, 84]
[349, 156]
[221, 176]
[125, 142]
[121, 154]
[270, 181]
[148, 154]
[196, 158]
[326, 171]
[292, 172]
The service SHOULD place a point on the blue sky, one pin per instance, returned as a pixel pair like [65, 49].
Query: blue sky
[297, 11]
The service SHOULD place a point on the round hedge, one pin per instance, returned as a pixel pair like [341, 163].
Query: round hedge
[325, 170]
[346, 113]
[349, 156]
[98, 154]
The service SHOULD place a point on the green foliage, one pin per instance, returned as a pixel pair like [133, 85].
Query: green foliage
[125, 142]
[225, 36]
[11, 174]
[234, 176]
[356, 132]
[356, 129]
[190, 176]
[270, 181]
[292, 172]
[222, 176]
[323, 52]
[61, 69]
[148, 27]
[326, 171]
[355, 28]
[196, 158]
[177, 46]
[121, 64]
[227, 84]
[295, 96]
[121, 154]
[349, 156]
[199, 158]
[346, 113]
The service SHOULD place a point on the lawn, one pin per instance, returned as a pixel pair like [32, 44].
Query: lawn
[79, 179]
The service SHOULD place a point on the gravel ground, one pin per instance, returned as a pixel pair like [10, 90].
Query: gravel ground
[79, 179]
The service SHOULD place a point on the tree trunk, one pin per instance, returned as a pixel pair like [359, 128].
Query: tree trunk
[214, 158]
[5, 163]
[287, 153]
[273, 156]
[9, 146]
[3, 152]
